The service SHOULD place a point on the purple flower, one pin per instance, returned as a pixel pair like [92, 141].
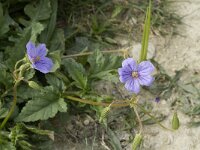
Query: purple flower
[134, 75]
[37, 56]
[157, 99]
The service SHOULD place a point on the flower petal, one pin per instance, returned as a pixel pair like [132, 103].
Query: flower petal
[31, 50]
[146, 80]
[133, 86]
[145, 68]
[124, 74]
[41, 50]
[124, 71]
[44, 65]
[131, 63]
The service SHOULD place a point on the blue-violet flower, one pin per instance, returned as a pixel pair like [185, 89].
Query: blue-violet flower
[37, 56]
[134, 75]
[157, 99]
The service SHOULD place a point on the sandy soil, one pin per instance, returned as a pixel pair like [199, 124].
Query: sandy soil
[175, 53]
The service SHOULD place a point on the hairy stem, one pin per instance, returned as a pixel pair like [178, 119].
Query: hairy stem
[138, 118]
[17, 63]
[12, 107]
[154, 118]
[121, 103]
[89, 53]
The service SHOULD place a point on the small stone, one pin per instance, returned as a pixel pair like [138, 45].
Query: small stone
[135, 51]
[86, 122]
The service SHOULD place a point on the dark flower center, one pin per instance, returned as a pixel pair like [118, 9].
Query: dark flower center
[135, 74]
[36, 59]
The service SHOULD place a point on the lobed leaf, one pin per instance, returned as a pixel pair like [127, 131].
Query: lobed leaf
[102, 67]
[77, 72]
[36, 29]
[4, 25]
[38, 12]
[55, 82]
[43, 107]
[48, 32]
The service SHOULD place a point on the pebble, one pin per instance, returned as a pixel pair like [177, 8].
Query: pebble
[86, 122]
[135, 51]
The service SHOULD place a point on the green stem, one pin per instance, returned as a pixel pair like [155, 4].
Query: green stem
[138, 118]
[124, 104]
[12, 107]
[154, 118]
[89, 53]
[17, 63]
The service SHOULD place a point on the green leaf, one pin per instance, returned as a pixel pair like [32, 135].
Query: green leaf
[25, 145]
[136, 141]
[116, 11]
[5, 78]
[57, 41]
[195, 110]
[24, 92]
[145, 37]
[114, 140]
[37, 28]
[4, 26]
[106, 75]
[55, 82]
[29, 74]
[175, 121]
[43, 107]
[3, 112]
[96, 61]
[99, 62]
[17, 52]
[7, 146]
[48, 32]
[102, 67]
[76, 71]
[56, 57]
[18, 137]
[49, 133]
[38, 11]
[17, 134]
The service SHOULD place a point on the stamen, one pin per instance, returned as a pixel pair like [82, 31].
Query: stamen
[36, 59]
[135, 74]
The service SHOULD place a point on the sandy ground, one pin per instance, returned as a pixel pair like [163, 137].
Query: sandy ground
[175, 53]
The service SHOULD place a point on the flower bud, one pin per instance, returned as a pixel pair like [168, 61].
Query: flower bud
[34, 85]
[175, 121]
[104, 113]
[136, 141]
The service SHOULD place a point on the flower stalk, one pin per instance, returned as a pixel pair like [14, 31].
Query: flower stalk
[154, 118]
[125, 103]
[118, 104]
[139, 120]
[13, 105]
[18, 76]
[124, 51]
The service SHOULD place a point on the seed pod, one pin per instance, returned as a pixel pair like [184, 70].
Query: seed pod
[34, 85]
[104, 113]
[175, 121]
[136, 141]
